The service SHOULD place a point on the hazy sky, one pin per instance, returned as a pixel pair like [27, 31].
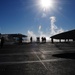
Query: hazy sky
[23, 16]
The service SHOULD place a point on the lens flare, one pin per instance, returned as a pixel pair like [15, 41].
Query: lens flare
[46, 3]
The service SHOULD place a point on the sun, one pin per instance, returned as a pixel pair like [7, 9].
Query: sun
[46, 3]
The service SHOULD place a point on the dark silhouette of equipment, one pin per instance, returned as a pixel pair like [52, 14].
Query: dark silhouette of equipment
[2, 41]
[31, 39]
[38, 39]
[66, 36]
[43, 39]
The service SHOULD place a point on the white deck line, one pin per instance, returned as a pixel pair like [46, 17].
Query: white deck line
[40, 60]
[30, 62]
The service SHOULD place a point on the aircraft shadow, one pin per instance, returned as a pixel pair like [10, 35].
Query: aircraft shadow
[65, 55]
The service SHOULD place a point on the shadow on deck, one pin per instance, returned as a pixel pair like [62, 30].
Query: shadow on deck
[65, 55]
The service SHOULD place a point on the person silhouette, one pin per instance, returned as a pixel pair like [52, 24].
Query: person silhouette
[2, 41]
[31, 39]
[42, 39]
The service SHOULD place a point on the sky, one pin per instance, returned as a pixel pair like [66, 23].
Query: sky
[30, 18]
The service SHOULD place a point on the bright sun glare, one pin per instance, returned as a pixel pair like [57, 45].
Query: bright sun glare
[46, 3]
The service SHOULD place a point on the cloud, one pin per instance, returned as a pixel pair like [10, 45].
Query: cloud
[60, 30]
[40, 27]
[53, 19]
[40, 32]
[53, 28]
[44, 15]
[31, 34]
